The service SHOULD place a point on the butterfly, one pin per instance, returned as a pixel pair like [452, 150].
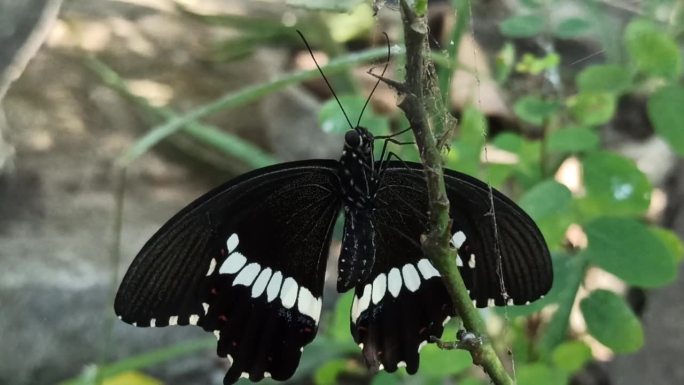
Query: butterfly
[247, 260]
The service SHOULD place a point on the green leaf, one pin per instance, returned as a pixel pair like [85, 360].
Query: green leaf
[534, 110]
[629, 250]
[613, 185]
[327, 373]
[572, 140]
[522, 26]
[652, 50]
[592, 108]
[340, 325]
[527, 168]
[610, 320]
[549, 204]
[604, 78]
[671, 242]
[384, 378]
[666, 115]
[332, 120]
[438, 363]
[572, 27]
[131, 378]
[540, 374]
[571, 356]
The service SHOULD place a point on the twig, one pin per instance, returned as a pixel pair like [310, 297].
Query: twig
[424, 108]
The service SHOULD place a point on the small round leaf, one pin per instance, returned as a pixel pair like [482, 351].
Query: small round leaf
[571, 355]
[549, 204]
[592, 108]
[573, 140]
[613, 185]
[610, 320]
[665, 112]
[630, 250]
[604, 78]
[534, 110]
[572, 27]
[522, 26]
[652, 50]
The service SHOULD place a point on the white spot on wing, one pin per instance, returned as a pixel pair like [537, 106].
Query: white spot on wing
[153, 322]
[490, 302]
[217, 334]
[458, 239]
[421, 345]
[173, 320]
[446, 320]
[394, 282]
[233, 264]
[509, 302]
[355, 309]
[307, 304]
[244, 375]
[381, 367]
[471, 261]
[379, 288]
[365, 299]
[274, 286]
[401, 364]
[288, 295]
[247, 275]
[411, 277]
[459, 261]
[194, 319]
[205, 306]
[261, 281]
[212, 266]
[426, 269]
[232, 242]
[267, 375]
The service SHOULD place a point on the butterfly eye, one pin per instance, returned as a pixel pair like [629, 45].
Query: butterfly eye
[352, 139]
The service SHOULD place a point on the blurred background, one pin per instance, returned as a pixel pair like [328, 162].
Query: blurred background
[573, 108]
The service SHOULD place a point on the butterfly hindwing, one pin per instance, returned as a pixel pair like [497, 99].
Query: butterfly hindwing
[245, 261]
[404, 301]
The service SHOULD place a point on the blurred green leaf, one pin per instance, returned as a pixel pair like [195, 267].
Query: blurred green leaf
[471, 381]
[629, 250]
[592, 108]
[571, 355]
[327, 373]
[325, 5]
[347, 25]
[604, 78]
[527, 169]
[613, 185]
[652, 50]
[540, 374]
[465, 151]
[671, 241]
[435, 362]
[522, 26]
[535, 65]
[610, 320]
[572, 140]
[549, 204]
[384, 378]
[667, 116]
[339, 330]
[572, 27]
[332, 119]
[535, 110]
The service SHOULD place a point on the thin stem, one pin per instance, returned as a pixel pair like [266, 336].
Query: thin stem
[421, 101]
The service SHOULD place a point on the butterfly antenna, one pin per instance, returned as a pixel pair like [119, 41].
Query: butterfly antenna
[377, 83]
[325, 78]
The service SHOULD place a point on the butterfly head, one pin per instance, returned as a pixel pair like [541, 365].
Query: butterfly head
[359, 141]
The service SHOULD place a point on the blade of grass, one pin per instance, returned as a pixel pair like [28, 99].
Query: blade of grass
[445, 73]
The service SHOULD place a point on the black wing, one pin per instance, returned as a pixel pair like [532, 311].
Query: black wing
[247, 262]
[404, 302]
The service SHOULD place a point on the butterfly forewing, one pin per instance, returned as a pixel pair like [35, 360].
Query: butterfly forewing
[246, 262]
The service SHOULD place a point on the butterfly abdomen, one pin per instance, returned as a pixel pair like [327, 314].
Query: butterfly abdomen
[358, 249]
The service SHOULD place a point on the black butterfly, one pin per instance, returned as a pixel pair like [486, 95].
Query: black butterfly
[247, 260]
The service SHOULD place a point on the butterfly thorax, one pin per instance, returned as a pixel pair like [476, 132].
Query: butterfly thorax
[359, 185]
[357, 172]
